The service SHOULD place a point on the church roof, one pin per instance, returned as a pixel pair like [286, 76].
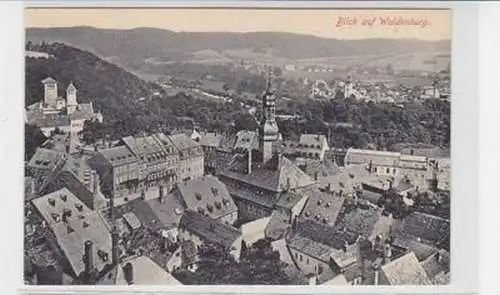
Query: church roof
[277, 175]
[71, 86]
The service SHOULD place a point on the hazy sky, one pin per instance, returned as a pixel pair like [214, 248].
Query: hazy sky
[420, 24]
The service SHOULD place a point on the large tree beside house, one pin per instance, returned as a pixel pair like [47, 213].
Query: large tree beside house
[259, 264]
[33, 138]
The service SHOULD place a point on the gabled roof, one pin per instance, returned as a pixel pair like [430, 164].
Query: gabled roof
[82, 224]
[209, 229]
[207, 195]
[182, 142]
[210, 139]
[322, 207]
[405, 270]
[66, 179]
[189, 252]
[168, 211]
[246, 140]
[324, 234]
[382, 158]
[313, 140]
[360, 220]
[276, 175]
[45, 159]
[424, 227]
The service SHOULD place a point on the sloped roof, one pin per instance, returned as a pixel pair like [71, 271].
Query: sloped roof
[361, 221]
[405, 270]
[66, 179]
[81, 225]
[313, 140]
[210, 139]
[322, 207]
[289, 199]
[427, 228]
[277, 227]
[145, 272]
[49, 80]
[207, 195]
[49, 120]
[435, 266]
[381, 158]
[182, 142]
[246, 140]
[277, 174]
[189, 252]
[84, 111]
[209, 229]
[421, 250]
[45, 159]
[118, 155]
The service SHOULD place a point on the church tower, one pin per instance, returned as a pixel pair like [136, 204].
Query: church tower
[268, 127]
[71, 102]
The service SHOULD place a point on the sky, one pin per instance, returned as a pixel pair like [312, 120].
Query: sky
[327, 23]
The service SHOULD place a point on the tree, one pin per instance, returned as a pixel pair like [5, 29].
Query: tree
[245, 122]
[33, 138]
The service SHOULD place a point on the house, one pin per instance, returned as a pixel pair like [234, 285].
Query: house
[360, 220]
[423, 228]
[317, 248]
[191, 156]
[312, 146]
[323, 206]
[139, 270]
[380, 162]
[256, 187]
[405, 270]
[45, 159]
[207, 195]
[78, 231]
[201, 229]
[246, 140]
[54, 112]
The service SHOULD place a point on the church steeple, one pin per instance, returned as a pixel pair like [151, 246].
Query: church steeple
[268, 127]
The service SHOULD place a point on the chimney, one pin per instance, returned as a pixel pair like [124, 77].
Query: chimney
[329, 188]
[114, 247]
[376, 277]
[390, 184]
[288, 183]
[88, 256]
[412, 152]
[128, 272]
[370, 166]
[316, 175]
[249, 170]
[161, 191]
[387, 253]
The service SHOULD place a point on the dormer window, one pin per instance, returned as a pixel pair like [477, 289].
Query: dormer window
[198, 196]
[52, 202]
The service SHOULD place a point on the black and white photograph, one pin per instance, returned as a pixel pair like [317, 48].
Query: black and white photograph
[235, 146]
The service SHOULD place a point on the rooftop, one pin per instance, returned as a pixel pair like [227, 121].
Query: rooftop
[207, 195]
[405, 270]
[246, 139]
[45, 159]
[182, 142]
[322, 206]
[73, 223]
[313, 141]
[208, 229]
[360, 220]
[118, 155]
[425, 228]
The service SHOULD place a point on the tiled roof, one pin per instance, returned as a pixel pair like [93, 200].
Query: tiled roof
[132, 220]
[322, 207]
[277, 175]
[313, 140]
[66, 179]
[45, 159]
[421, 250]
[382, 227]
[277, 227]
[427, 228]
[289, 199]
[189, 252]
[81, 224]
[435, 265]
[210, 139]
[405, 270]
[314, 249]
[182, 142]
[246, 140]
[207, 195]
[360, 221]
[325, 234]
[142, 211]
[119, 155]
[49, 121]
[339, 280]
[208, 229]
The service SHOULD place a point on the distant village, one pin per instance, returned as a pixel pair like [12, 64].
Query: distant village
[139, 210]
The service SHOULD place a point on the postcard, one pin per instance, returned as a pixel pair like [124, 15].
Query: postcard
[237, 146]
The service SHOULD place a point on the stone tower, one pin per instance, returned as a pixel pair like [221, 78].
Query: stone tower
[71, 102]
[50, 91]
[268, 127]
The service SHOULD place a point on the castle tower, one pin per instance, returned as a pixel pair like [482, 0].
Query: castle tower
[71, 102]
[50, 91]
[268, 127]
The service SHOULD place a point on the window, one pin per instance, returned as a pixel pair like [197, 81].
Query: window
[393, 170]
[301, 257]
[307, 261]
[388, 170]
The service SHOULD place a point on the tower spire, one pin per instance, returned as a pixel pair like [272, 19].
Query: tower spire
[269, 78]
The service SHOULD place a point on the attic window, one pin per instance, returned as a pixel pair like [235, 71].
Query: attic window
[201, 210]
[38, 162]
[178, 211]
[85, 224]
[308, 214]
[52, 202]
[215, 191]
[64, 197]
[325, 220]
[225, 202]
[328, 205]
[55, 216]
[218, 205]
[318, 146]
[79, 207]
[210, 208]
[103, 255]
[318, 217]
[70, 229]
[320, 202]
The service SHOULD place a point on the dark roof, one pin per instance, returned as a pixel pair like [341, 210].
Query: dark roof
[436, 264]
[209, 229]
[421, 250]
[372, 197]
[277, 227]
[277, 174]
[66, 179]
[144, 212]
[325, 234]
[289, 199]
[168, 211]
[45, 159]
[207, 195]
[119, 155]
[425, 228]
[360, 221]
